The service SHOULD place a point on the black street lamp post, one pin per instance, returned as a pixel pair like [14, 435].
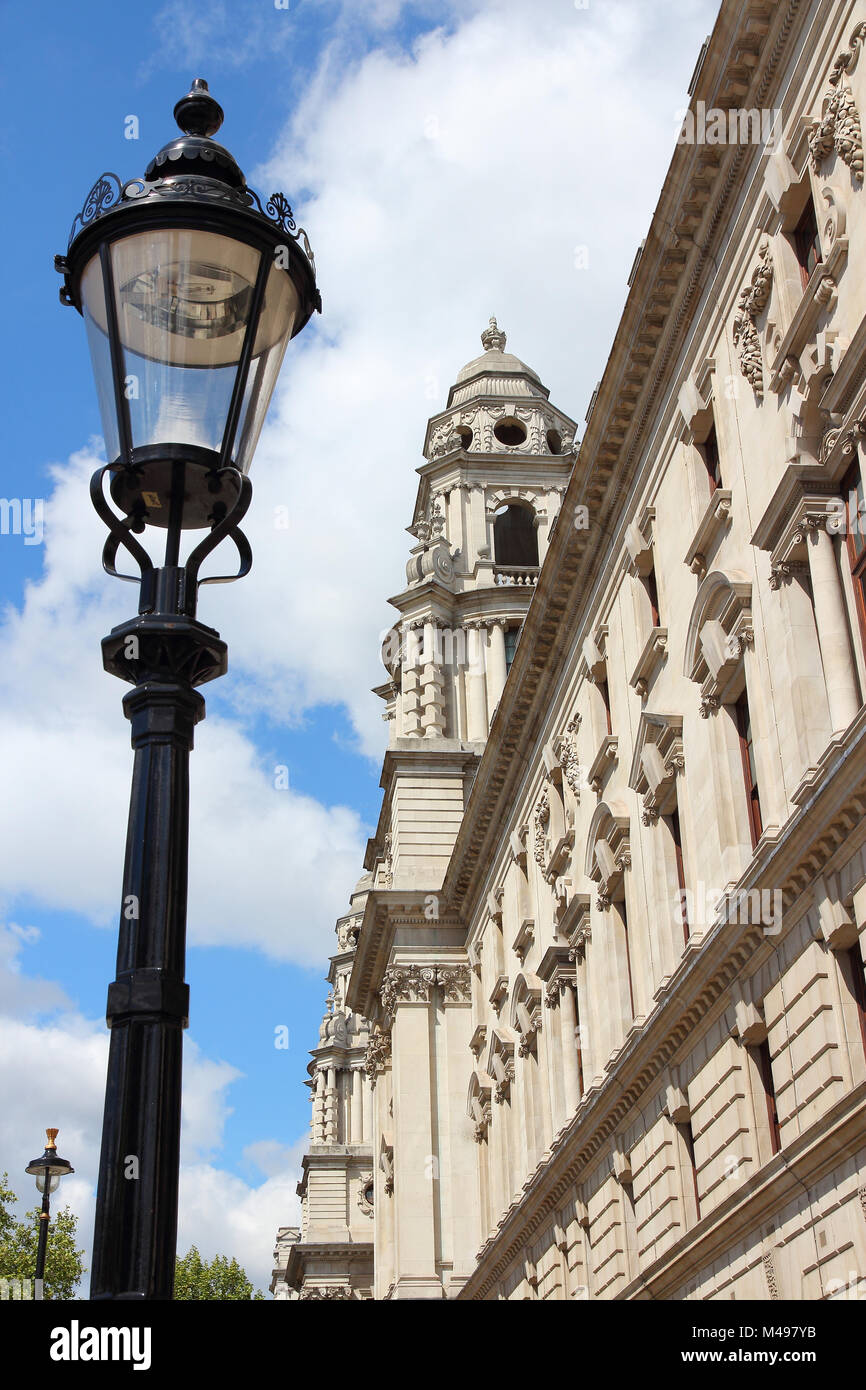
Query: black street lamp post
[190, 290]
[47, 1169]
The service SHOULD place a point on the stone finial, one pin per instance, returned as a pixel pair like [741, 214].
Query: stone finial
[493, 337]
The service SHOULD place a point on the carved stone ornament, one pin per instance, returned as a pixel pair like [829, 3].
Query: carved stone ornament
[378, 1053]
[568, 755]
[752, 301]
[839, 127]
[455, 981]
[332, 1292]
[406, 982]
[387, 863]
[542, 820]
[364, 1187]
[415, 983]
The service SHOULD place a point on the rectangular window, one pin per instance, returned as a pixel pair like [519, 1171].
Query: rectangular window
[685, 1131]
[624, 916]
[806, 241]
[511, 636]
[673, 821]
[649, 581]
[855, 509]
[761, 1056]
[579, 1046]
[605, 700]
[854, 974]
[709, 451]
[750, 775]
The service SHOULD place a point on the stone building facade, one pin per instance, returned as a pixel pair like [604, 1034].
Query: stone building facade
[598, 1023]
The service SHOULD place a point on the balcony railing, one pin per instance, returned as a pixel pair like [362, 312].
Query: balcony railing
[515, 574]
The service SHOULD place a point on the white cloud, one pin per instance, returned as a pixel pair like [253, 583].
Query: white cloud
[53, 1073]
[457, 182]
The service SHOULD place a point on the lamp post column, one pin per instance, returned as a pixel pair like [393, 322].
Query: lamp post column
[136, 1207]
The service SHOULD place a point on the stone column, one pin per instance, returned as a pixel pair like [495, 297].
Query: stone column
[587, 1037]
[620, 984]
[331, 1106]
[458, 1154]
[357, 1114]
[832, 625]
[476, 701]
[411, 682]
[416, 1180]
[496, 668]
[432, 694]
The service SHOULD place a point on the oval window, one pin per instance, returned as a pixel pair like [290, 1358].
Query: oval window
[510, 431]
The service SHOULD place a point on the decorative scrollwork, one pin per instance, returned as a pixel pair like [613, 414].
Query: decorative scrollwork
[108, 191]
[102, 196]
[278, 209]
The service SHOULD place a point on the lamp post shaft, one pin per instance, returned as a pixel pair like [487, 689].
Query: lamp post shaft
[137, 1198]
[42, 1246]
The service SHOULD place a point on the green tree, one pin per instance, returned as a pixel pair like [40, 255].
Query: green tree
[220, 1279]
[64, 1265]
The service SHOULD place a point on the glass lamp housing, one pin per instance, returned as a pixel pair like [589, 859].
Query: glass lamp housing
[190, 293]
[183, 301]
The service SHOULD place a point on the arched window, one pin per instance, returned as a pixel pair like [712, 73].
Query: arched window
[515, 541]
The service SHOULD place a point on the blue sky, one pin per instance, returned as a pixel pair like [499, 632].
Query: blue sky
[449, 162]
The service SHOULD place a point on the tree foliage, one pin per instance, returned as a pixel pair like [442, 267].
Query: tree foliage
[64, 1265]
[219, 1279]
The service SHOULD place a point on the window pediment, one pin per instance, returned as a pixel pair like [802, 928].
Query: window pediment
[719, 629]
[658, 758]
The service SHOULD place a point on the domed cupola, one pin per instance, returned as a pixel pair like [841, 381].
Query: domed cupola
[498, 405]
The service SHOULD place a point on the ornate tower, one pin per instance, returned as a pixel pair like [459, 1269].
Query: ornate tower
[497, 461]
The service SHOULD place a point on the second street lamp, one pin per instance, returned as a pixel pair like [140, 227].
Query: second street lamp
[190, 290]
[47, 1169]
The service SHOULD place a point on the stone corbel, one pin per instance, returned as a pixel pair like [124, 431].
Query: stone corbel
[836, 918]
[749, 1024]
[639, 542]
[478, 1040]
[517, 845]
[494, 905]
[499, 993]
[658, 760]
[622, 1170]
[386, 1162]
[593, 655]
[650, 660]
[524, 938]
[710, 528]
[675, 1101]
[604, 759]
[803, 352]
[578, 932]
[694, 400]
